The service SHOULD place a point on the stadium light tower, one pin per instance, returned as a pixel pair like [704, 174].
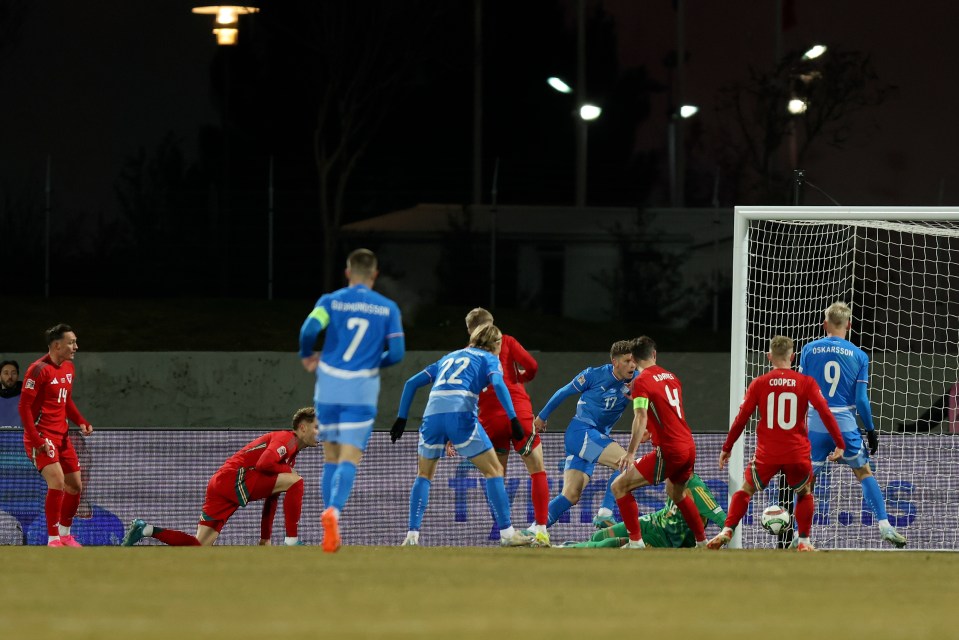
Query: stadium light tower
[226, 25]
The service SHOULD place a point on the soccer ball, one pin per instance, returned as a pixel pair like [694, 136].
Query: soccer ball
[775, 519]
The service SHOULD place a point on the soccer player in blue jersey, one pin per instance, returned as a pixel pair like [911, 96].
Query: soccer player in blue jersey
[603, 396]
[842, 371]
[364, 332]
[451, 415]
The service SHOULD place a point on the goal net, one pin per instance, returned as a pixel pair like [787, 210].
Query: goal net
[899, 271]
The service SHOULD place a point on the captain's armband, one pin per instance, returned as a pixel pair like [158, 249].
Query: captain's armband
[640, 403]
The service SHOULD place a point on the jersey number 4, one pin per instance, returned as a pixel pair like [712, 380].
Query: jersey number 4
[781, 410]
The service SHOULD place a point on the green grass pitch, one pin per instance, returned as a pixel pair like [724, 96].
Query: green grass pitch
[392, 592]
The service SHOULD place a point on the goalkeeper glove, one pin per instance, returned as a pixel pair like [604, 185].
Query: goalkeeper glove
[873, 438]
[398, 428]
[516, 428]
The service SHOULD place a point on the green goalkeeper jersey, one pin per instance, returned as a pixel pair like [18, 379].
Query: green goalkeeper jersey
[666, 527]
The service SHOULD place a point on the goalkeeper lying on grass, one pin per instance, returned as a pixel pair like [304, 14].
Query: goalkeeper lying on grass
[664, 528]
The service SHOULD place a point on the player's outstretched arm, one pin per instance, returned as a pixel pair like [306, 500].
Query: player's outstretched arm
[561, 394]
[406, 400]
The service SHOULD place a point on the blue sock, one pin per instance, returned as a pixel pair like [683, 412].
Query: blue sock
[494, 531]
[873, 495]
[609, 502]
[329, 470]
[419, 499]
[557, 507]
[498, 502]
[342, 485]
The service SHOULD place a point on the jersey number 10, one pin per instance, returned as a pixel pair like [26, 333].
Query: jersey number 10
[781, 410]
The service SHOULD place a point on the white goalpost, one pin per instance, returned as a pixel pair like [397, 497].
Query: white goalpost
[898, 268]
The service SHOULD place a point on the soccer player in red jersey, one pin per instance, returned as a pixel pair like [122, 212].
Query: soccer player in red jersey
[46, 403]
[783, 397]
[519, 367]
[658, 415]
[261, 470]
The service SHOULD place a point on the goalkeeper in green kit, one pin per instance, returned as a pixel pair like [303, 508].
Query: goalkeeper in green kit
[664, 528]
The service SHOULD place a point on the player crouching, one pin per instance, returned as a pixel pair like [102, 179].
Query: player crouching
[261, 470]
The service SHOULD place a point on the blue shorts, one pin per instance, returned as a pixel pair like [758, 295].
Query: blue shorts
[462, 429]
[854, 455]
[346, 423]
[584, 444]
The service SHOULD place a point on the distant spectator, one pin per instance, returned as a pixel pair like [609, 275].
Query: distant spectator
[10, 386]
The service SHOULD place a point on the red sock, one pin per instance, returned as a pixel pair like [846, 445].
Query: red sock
[175, 538]
[630, 512]
[51, 508]
[292, 505]
[68, 508]
[691, 515]
[737, 508]
[804, 510]
[539, 495]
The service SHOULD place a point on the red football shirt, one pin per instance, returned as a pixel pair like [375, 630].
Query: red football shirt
[783, 397]
[519, 367]
[273, 452]
[46, 401]
[666, 417]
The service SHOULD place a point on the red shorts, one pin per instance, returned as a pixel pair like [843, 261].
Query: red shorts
[63, 452]
[759, 472]
[659, 465]
[501, 434]
[230, 489]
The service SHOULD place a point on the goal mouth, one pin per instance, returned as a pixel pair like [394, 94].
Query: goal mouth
[898, 269]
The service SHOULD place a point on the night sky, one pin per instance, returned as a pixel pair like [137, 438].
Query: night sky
[91, 83]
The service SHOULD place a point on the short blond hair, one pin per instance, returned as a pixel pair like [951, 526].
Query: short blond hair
[838, 314]
[485, 337]
[781, 346]
[477, 318]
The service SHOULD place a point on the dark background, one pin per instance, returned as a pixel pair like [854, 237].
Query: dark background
[160, 142]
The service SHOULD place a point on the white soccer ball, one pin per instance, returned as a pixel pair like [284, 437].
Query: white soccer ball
[775, 519]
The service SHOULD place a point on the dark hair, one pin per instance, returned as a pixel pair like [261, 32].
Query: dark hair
[306, 414]
[56, 332]
[643, 348]
[361, 262]
[13, 362]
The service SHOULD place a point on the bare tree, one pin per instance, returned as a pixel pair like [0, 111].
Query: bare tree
[363, 57]
[765, 141]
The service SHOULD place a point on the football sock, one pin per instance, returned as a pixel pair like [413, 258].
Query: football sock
[419, 500]
[64, 531]
[539, 495]
[342, 485]
[68, 508]
[873, 495]
[630, 512]
[804, 511]
[737, 508]
[329, 470]
[51, 508]
[557, 507]
[175, 538]
[484, 485]
[290, 541]
[292, 506]
[269, 513]
[687, 506]
[496, 493]
[609, 500]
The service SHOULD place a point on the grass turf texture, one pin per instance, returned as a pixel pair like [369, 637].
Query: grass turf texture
[378, 592]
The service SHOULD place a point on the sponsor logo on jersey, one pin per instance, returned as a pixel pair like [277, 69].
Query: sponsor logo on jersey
[54, 381]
